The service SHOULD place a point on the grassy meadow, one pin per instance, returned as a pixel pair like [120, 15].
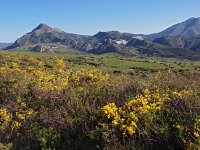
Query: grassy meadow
[90, 102]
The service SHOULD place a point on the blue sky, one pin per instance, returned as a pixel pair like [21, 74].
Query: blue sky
[90, 16]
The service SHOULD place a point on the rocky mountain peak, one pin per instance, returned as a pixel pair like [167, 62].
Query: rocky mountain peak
[42, 25]
[46, 34]
[189, 28]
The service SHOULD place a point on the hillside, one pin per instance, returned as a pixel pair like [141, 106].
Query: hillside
[188, 28]
[45, 34]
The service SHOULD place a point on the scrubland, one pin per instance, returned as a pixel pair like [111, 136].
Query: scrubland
[54, 103]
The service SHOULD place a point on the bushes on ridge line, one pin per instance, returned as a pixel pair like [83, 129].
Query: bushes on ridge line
[62, 108]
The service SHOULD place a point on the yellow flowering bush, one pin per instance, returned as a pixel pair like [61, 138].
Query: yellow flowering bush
[80, 77]
[52, 80]
[148, 108]
[197, 129]
[119, 118]
[190, 136]
[126, 117]
[5, 118]
[45, 104]
[16, 118]
[21, 114]
[60, 64]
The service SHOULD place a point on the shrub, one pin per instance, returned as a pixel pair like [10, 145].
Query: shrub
[46, 105]
[158, 118]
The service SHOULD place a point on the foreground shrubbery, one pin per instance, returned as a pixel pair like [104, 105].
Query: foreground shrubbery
[60, 108]
[160, 118]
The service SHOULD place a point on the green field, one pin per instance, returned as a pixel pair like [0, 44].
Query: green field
[110, 62]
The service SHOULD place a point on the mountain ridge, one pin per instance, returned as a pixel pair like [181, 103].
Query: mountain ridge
[4, 45]
[180, 40]
[46, 34]
[188, 28]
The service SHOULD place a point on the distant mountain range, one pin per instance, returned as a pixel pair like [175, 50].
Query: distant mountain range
[180, 40]
[4, 45]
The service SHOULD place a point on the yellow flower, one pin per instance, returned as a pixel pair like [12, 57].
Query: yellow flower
[115, 122]
[196, 134]
[15, 125]
[15, 65]
[130, 130]
[5, 118]
[20, 115]
[30, 112]
[23, 104]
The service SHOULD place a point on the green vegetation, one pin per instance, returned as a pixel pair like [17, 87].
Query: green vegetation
[107, 62]
[79, 101]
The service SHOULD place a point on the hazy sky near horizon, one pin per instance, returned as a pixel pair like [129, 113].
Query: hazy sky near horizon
[91, 16]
